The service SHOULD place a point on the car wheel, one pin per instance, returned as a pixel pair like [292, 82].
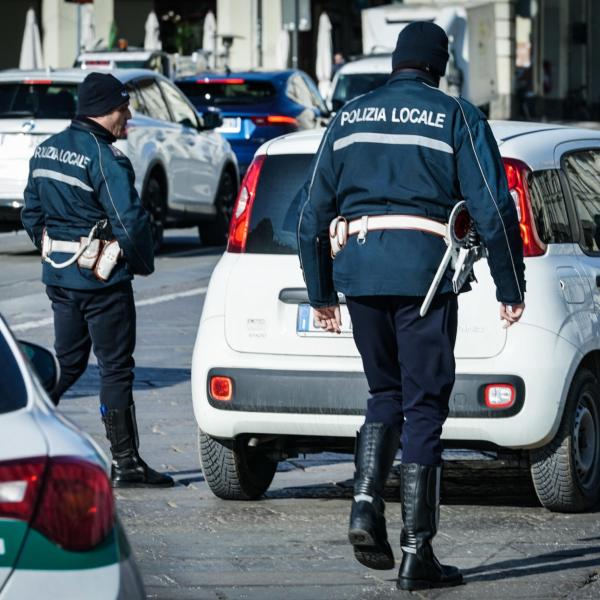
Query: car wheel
[214, 232]
[234, 470]
[153, 202]
[566, 472]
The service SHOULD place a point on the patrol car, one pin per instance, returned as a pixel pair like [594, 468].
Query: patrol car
[186, 172]
[268, 384]
[59, 531]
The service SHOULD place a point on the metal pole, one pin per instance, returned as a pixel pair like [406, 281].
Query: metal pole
[295, 34]
[78, 35]
[259, 32]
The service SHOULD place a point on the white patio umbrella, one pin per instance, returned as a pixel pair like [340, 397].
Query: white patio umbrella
[324, 54]
[152, 37]
[31, 47]
[209, 38]
[87, 38]
[283, 49]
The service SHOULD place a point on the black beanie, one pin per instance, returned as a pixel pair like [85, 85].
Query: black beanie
[421, 45]
[99, 94]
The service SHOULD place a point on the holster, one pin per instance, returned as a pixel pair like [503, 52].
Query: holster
[107, 260]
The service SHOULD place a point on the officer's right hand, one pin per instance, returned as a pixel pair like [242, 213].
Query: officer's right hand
[511, 313]
[329, 318]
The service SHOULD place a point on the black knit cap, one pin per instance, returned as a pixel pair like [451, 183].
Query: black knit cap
[421, 45]
[99, 94]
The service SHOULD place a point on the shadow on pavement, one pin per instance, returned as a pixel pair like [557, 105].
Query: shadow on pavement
[145, 378]
[535, 565]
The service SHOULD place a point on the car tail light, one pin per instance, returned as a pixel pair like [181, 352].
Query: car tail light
[223, 80]
[240, 220]
[38, 81]
[516, 174]
[67, 499]
[274, 120]
[221, 388]
[500, 395]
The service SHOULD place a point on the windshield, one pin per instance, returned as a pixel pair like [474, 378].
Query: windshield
[42, 100]
[13, 394]
[355, 84]
[232, 91]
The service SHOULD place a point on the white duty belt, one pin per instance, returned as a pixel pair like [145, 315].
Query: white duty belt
[89, 252]
[464, 247]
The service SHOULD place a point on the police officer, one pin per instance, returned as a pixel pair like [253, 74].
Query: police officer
[392, 164]
[80, 190]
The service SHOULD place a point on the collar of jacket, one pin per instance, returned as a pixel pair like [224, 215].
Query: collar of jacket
[412, 74]
[85, 124]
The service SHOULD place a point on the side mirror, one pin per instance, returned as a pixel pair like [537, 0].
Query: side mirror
[211, 118]
[44, 364]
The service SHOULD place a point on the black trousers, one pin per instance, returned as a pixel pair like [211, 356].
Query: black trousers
[105, 321]
[410, 367]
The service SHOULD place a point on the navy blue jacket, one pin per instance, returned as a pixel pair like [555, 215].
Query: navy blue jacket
[405, 148]
[77, 178]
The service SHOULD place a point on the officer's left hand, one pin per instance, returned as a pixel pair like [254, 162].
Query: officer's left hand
[329, 318]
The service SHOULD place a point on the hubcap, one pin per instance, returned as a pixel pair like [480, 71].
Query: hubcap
[586, 440]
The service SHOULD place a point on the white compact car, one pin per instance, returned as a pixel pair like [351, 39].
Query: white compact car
[266, 384]
[59, 534]
[186, 172]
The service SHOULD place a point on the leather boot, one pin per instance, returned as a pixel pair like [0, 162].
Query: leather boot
[376, 446]
[420, 569]
[128, 469]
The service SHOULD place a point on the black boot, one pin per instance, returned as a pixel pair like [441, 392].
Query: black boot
[420, 569]
[128, 469]
[376, 448]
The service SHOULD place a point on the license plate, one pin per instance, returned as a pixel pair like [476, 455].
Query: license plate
[305, 323]
[230, 125]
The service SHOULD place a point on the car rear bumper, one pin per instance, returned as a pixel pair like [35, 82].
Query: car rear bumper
[326, 396]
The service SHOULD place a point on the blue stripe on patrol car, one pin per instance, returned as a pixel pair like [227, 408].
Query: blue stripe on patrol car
[392, 138]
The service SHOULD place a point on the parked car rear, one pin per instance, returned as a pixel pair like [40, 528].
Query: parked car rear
[257, 106]
[267, 384]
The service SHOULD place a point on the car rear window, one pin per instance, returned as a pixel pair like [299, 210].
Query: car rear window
[41, 99]
[233, 91]
[274, 218]
[13, 394]
[355, 84]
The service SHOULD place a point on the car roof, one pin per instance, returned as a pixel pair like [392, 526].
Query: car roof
[249, 75]
[533, 143]
[136, 54]
[378, 63]
[71, 75]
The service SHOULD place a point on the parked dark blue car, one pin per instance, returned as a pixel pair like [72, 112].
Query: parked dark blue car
[257, 106]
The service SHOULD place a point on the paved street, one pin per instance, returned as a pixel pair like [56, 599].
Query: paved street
[290, 545]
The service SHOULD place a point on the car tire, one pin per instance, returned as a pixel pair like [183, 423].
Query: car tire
[566, 472]
[215, 231]
[154, 202]
[233, 470]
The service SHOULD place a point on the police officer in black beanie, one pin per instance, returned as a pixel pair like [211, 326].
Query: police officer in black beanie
[391, 167]
[84, 214]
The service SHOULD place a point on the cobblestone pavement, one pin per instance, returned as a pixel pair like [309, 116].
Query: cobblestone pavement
[291, 545]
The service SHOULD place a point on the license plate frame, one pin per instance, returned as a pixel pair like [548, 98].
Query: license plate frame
[230, 125]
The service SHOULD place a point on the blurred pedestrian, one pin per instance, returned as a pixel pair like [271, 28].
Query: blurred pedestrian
[84, 214]
[390, 169]
[338, 62]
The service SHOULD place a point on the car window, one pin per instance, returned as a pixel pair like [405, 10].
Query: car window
[153, 100]
[40, 99]
[355, 84]
[583, 174]
[298, 91]
[182, 112]
[232, 90]
[549, 207]
[136, 102]
[274, 217]
[13, 393]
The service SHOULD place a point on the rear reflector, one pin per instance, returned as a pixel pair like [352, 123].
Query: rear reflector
[499, 395]
[221, 388]
[240, 220]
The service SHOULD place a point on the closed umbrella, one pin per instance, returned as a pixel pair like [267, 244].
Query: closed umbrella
[209, 38]
[152, 37]
[324, 54]
[283, 49]
[87, 37]
[31, 47]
